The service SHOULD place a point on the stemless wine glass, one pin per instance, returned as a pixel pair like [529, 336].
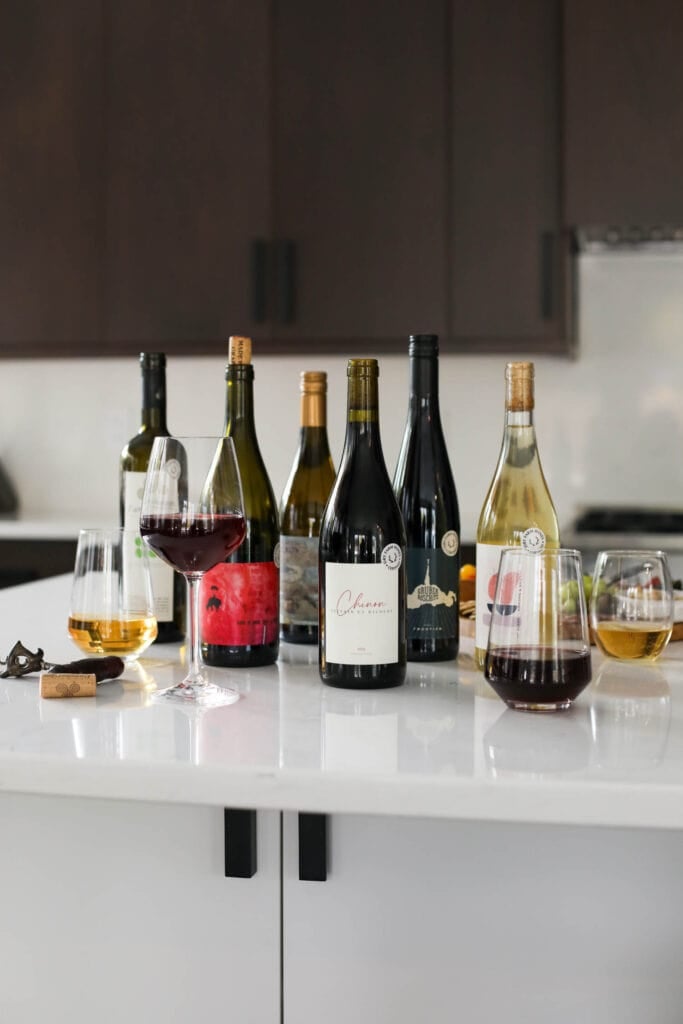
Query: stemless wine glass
[632, 604]
[111, 610]
[192, 516]
[538, 655]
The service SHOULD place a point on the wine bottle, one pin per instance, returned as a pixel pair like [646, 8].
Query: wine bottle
[168, 587]
[518, 508]
[301, 511]
[362, 554]
[239, 618]
[426, 495]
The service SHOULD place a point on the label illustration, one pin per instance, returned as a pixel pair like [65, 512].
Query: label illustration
[298, 558]
[239, 604]
[432, 603]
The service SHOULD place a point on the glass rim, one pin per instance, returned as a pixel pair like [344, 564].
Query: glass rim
[518, 549]
[632, 552]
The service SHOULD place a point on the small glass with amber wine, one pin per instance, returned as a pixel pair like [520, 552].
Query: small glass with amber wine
[632, 604]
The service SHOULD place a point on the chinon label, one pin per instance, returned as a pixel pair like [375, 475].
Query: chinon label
[239, 604]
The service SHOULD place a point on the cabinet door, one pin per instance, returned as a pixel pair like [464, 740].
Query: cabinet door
[443, 921]
[624, 95]
[187, 170]
[50, 165]
[119, 911]
[509, 267]
[359, 169]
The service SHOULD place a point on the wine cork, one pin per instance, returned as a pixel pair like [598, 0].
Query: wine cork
[63, 684]
[519, 378]
[239, 350]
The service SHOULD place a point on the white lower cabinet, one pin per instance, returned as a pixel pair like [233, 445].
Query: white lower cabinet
[437, 921]
[120, 912]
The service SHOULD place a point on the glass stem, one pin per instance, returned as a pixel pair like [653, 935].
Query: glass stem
[195, 672]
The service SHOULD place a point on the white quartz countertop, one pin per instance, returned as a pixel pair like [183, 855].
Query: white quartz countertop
[442, 745]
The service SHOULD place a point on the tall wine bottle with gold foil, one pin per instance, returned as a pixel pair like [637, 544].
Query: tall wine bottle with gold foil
[362, 554]
[301, 511]
[168, 587]
[239, 618]
[518, 508]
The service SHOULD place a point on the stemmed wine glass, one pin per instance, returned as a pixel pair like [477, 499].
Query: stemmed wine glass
[192, 516]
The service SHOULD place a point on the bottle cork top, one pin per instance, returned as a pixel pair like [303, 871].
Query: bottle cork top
[519, 378]
[239, 350]
[313, 381]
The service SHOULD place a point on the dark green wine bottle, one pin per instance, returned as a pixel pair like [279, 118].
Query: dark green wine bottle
[362, 554]
[425, 491]
[301, 511]
[168, 587]
[239, 599]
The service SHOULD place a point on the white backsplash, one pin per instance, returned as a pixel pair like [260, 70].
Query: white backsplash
[609, 424]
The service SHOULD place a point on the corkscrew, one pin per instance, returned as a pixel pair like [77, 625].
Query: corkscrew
[22, 662]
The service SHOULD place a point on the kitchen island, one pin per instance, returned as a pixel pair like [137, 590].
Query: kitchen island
[479, 862]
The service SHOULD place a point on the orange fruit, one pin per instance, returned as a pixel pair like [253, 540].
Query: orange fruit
[468, 572]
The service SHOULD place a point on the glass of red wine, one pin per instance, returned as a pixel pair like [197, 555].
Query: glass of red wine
[192, 517]
[538, 656]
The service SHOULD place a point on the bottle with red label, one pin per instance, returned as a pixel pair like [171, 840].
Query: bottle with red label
[239, 599]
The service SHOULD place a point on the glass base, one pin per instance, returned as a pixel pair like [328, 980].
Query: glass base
[522, 705]
[197, 694]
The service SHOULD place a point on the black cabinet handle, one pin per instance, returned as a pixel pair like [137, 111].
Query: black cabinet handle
[240, 843]
[285, 275]
[259, 280]
[313, 847]
[547, 274]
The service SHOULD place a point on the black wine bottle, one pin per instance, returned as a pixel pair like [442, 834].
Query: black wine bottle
[426, 495]
[301, 511]
[239, 598]
[168, 587]
[362, 554]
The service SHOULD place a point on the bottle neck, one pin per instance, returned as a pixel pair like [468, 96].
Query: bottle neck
[313, 409]
[154, 399]
[424, 383]
[239, 416]
[362, 426]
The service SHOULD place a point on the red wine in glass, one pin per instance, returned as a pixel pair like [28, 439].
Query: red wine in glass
[193, 546]
[192, 517]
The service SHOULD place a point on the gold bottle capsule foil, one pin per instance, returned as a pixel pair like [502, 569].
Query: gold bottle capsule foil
[313, 398]
[519, 393]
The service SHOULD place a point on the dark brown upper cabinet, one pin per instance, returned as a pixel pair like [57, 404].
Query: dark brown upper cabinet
[321, 176]
[360, 227]
[188, 171]
[51, 176]
[623, 112]
[511, 264]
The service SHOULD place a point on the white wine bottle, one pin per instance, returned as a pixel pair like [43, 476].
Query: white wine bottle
[518, 508]
[301, 511]
[362, 555]
[168, 587]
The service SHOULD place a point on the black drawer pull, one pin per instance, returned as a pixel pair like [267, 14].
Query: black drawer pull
[240, 843]
[313, 847]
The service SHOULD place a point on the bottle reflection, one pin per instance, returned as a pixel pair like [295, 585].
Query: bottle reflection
[630, 715]
[359, 733]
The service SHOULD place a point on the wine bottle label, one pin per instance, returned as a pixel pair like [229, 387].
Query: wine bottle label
[361, 614]
[161, 574]
[299, 580]
[238, 604]
[432, 594]
[488, 560]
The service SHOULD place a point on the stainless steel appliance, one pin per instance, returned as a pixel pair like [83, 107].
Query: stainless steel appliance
[602, 526]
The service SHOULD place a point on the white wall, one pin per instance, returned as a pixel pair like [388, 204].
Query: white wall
[610, 424]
